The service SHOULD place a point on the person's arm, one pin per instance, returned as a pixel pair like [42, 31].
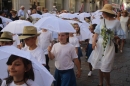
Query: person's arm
[94, 40]
[50, 55]
[76, 49]
[77, 63]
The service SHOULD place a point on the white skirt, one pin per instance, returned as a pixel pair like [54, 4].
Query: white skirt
[98, 61]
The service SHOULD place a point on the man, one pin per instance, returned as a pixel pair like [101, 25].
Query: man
[6, 38]
[29, 36]
[21, 11]
[39, 10]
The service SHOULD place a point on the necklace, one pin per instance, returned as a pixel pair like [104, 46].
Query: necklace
[19, 81]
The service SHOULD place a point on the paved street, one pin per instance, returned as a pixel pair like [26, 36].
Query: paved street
[120, 75]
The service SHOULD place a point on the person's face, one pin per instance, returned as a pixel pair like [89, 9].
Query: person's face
[118, 14]
[76, 27]
[16, 69]
[22, 8]
[38, 8]
[33, 11]
[30, 41]
[13, 14]
[45, 11]
[91, 29]
[62, 37]
[104, 14]
[124, 13]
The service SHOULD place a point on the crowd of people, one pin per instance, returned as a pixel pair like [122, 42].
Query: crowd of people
[107, 33]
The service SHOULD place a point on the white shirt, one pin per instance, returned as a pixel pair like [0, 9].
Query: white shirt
[91, 38]
[79, 37]
[38, 54]
[74, 41]
[21, 13]
[16, 40]
[29, 82]
[64, 56]
[44, 40]
[4, 21]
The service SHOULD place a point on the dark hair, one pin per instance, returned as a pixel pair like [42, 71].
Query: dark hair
[109, 15]
[94, 26]
[28, 75]
[68, 37]
[77, 32]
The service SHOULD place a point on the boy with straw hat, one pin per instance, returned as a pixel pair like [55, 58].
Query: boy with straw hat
[6, 38]
[29, 36]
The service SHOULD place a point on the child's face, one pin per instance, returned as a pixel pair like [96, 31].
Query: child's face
[30, 41]
[16, 69]
[76, 27]
[91, 29]
[62, 37]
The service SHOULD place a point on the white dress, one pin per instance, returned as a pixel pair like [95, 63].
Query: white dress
[98, 61]
[123, 21]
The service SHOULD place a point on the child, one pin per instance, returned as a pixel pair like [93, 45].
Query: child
[74, 41]
[20, 72]
[89, 48]
[44, 41]
[79, 37]
[29, 36]
[65, 57]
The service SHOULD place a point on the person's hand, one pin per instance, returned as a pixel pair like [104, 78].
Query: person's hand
[49, 49]
[94, 45]
[78, 74]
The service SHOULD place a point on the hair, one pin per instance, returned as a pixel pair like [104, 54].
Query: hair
[28, 75]
[7, 42]
[109, 15]
[77, 32]
[126, 13]
[68, 37]
[94, 26]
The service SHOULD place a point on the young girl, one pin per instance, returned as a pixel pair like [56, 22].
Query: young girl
[78, 35]
[89, 47]
[20, 72]
[65, 57]
[74, 41]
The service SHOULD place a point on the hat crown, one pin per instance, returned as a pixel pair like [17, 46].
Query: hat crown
[7, 35]
[108, 7]
[31, 30]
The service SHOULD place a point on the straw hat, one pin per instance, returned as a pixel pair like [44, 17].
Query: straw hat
[29, 31]
[108, 8]
[6, 36]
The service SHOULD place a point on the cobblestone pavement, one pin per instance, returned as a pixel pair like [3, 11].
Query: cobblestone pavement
[120, 74]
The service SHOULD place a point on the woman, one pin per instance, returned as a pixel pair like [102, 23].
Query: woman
[20, 72]
[124, 20]
[14, 16]
[102, 57]
[118, 15]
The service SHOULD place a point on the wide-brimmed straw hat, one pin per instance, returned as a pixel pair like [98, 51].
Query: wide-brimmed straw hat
[6, 36]
[108, 8]
[29, 31]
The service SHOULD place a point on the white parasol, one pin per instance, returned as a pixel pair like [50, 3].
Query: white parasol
[42, 76]
[54, 24]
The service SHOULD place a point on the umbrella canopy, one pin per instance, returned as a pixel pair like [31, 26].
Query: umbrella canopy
[36, 16]
[42, 76]
[83, 15]
[68, 15]
[54, 24]
[17, 26]
[47, 15]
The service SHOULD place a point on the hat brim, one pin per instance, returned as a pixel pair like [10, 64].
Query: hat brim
[108, 11]
[25, 36]
[6, 40]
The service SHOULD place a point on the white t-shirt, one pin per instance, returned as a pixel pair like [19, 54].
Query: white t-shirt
[91, 38]
[16, 40]
[44, 40]
[64, 56]
[21, 13]
[29, 82]
[37, 53]
[74, 41]
[79, 37]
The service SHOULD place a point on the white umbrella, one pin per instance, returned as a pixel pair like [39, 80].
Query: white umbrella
[47, 15]
[42, 76]
[17, 26]
[36, 16]
[54, 24]
[83, 15]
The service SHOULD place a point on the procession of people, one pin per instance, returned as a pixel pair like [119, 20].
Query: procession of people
[30, 39]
